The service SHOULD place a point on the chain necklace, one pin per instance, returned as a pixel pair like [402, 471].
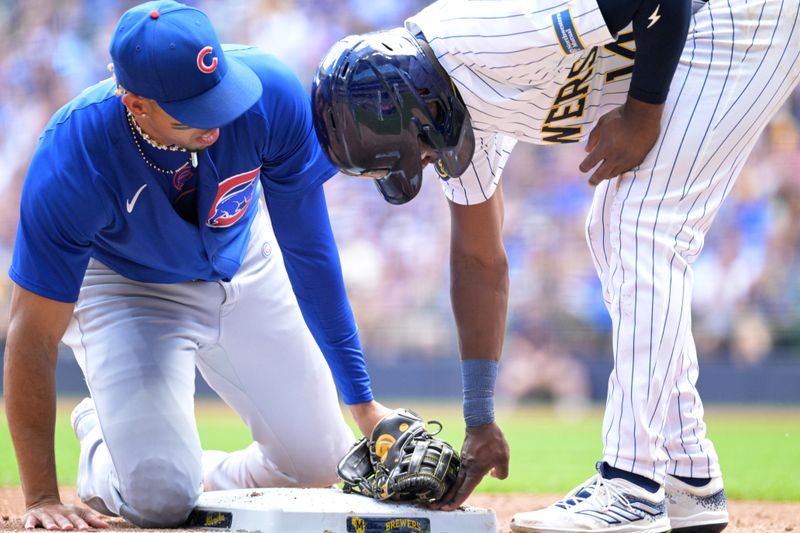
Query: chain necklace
[136, 132]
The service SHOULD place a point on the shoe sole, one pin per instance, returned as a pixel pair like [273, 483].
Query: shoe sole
[705, 528]
[517, 528]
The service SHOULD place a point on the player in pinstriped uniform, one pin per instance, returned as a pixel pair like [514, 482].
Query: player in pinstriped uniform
[674, 127]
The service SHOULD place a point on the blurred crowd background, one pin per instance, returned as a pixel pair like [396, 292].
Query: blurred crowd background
[747, 293]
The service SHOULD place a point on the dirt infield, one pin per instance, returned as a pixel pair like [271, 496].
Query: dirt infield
[746, 517]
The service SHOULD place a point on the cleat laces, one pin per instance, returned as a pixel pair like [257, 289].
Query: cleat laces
[603, 490]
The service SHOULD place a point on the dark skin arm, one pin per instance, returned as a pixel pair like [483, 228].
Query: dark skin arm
[35, 329]
[622, 139]
[479, 294]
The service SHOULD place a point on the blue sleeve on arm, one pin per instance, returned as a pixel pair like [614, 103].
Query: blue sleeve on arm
[660, 28]
[294, 171]
[58, 218]
[304, 233]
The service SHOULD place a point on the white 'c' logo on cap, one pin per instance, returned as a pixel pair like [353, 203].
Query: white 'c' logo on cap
[201, 63]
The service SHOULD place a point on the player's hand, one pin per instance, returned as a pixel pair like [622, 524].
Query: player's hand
[58, 516]
[367, 415]
[485, 450]
[622, 139]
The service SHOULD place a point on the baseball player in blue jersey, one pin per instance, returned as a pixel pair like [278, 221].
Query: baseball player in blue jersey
[672, 118]
[174, 217]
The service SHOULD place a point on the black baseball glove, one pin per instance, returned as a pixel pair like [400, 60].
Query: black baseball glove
[400, 461]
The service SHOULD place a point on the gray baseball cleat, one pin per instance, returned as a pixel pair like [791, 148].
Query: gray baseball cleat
[602, 505]
[696, 509]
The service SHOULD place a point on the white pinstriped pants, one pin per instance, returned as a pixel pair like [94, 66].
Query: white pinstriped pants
[740, 63]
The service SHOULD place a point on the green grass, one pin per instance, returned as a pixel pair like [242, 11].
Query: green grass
[759, 447]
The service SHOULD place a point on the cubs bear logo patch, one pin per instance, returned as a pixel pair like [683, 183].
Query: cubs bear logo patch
[233, 197]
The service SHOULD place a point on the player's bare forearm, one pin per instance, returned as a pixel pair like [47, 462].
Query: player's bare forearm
[35, 328]
[30, 408]
[367, 415]
[622, 139]
[479, 295]
[479, 292]
[479, 277]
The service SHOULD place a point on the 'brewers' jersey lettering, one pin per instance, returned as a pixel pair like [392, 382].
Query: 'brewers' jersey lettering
[621, 50]
[570, 110]
[570, 102]
[563, 135]
[571, 90]
[526, 72]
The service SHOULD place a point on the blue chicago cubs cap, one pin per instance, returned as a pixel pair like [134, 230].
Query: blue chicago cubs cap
[170, 53]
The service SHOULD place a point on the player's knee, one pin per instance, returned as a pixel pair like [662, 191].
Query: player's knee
[161, 493]
[316, 478]
[321, 471]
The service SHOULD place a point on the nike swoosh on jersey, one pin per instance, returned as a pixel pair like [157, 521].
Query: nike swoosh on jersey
[655, 17]
[132, 202]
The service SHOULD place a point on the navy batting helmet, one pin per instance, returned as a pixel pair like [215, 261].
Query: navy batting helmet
[376, 97]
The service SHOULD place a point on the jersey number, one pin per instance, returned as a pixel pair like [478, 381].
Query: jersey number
[619, 48]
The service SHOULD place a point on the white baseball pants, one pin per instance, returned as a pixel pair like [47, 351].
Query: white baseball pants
[138, 344]
[645, 229]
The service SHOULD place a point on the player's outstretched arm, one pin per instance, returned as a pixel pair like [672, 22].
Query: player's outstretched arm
[479, 293]
[35, 329]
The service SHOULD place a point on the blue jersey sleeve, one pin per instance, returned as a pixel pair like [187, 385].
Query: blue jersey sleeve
[304, 233]
[293, 172]
[60, 212]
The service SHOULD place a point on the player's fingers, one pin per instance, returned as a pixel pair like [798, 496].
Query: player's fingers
[618, 163]
[42, 518]
[95, 520]
[501, 470]
[436, 505]
[466, 488]
[594, 138]
[448, 496]
[77, 521]
[30, 521]
[603, 172]
[460, 491]
[457, 494]
[591, 160]
[64, 523]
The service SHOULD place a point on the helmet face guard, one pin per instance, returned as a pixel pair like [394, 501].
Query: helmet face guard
[375, 98]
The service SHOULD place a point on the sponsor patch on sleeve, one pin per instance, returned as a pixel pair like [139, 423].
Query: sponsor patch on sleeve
[568, 36]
